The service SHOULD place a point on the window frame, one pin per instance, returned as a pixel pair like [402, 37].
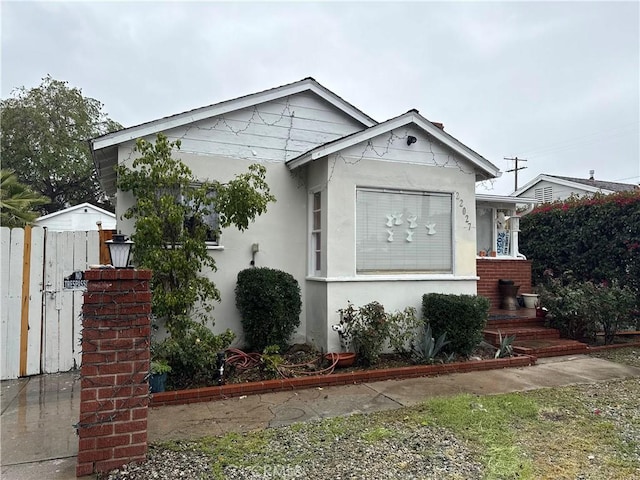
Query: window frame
[401, 270]
[214, 229]
[315, 241]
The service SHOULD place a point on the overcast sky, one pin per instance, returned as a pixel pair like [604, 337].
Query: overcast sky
[554, 83]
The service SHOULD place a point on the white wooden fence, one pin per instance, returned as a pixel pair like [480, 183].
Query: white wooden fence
[40, 311]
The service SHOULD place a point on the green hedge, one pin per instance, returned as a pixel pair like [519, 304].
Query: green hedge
[596, 238]
[269, 304]
[461, 317]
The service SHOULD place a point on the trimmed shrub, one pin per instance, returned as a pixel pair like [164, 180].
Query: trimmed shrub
[596, 238]
[269, 304]
[461, 317]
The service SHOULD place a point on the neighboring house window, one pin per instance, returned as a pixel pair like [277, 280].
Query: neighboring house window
[316, 232]
[543, 194]
[399, 231]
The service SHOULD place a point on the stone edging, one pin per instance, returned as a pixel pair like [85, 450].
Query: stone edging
[206, 394]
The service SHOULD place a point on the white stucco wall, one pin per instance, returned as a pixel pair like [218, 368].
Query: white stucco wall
[429, 168]
[220, 148]
[213, 151]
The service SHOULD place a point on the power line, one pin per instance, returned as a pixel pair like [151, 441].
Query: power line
[515, 170]
[582, 139]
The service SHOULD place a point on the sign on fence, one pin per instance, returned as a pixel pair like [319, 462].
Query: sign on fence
[75, 281]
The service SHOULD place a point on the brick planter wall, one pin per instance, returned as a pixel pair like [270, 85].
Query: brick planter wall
[490, 271]
[207, 394]
[114, 394]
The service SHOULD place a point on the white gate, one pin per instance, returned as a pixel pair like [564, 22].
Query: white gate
[41, 312]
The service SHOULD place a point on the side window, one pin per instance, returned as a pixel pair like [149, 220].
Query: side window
[210, 219]
[316, 233]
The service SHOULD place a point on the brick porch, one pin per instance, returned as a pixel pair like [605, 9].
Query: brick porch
[532, 337]
[490, 270]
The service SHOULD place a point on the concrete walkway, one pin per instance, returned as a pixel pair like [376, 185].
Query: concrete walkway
[39, 441]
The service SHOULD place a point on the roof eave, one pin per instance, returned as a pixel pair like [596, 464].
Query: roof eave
[559, 181]
[226, 106]
[73, 209]
[506, 199]
[487, 169]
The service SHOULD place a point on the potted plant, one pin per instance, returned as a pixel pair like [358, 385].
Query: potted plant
[158, 375]
[531, 300]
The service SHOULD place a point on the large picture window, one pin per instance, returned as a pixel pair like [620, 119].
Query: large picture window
[399, 231]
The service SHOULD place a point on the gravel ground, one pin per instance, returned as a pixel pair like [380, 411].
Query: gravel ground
[426, 453]
[400, 452]
[617, 401]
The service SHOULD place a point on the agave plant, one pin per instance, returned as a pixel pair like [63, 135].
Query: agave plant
[505, 349]
[430, 348]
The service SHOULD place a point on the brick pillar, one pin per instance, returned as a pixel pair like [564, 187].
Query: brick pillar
[114, 392]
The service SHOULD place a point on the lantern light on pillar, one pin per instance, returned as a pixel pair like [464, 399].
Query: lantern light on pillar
[119, 250]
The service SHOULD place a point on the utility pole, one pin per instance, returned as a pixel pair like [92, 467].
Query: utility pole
[516, 159]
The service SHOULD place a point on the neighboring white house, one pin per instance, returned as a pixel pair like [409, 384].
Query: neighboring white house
[365, 210]
[82, 218]
[549, 188]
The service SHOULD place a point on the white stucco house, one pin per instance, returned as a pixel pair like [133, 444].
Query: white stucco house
[365, 210]
[549, 188]
[80, 218]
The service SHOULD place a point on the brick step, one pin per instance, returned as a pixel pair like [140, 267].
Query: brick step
[552, 347]
[524, 322]
[522, 333]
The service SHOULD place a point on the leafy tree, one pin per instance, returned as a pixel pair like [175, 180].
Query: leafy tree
[44, 140]
[17, 202]
[170, 214]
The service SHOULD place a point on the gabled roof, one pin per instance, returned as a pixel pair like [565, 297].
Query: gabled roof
[484, 166]
[74, 208]
[579, 183]
[202, 113]
[601, 184]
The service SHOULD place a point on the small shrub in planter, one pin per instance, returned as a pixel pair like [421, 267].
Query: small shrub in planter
[269, 304]
[580, 309]
[461, 317]
[158, 378]
[192, 356]
[404, 328]
[565, 300]
[369, 332]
